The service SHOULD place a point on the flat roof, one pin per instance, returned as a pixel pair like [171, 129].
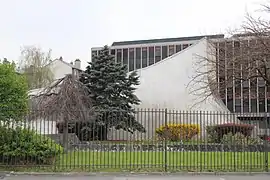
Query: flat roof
[123, 43]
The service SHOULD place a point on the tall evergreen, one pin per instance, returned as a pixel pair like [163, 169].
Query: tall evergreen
[112, 90]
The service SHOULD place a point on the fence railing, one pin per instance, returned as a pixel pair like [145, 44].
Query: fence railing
[146, 140]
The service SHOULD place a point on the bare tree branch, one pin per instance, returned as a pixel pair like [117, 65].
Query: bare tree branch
[34, 63]
[241, 61]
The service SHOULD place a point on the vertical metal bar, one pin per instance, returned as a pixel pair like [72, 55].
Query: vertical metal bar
[165, 152]
[266, 163]
[128, 60]
[233, 55]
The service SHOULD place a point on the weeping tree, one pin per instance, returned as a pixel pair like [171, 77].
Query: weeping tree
[66, 101]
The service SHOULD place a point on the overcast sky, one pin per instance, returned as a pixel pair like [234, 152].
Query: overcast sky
[71, 27]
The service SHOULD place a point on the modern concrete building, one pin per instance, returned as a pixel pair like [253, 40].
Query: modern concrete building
[240, 96]
[237, 96]
[164, 84]
[166, 66]
[142, 53]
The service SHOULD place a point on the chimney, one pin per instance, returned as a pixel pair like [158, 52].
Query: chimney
[61, 58]
[77, 64]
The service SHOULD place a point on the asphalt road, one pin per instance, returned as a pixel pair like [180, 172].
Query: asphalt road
[139, 177]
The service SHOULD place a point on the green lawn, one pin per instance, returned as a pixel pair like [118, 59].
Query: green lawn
[155, 161]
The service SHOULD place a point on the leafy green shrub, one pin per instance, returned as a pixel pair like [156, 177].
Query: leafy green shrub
[215, 133]
[176, 132]
[212, 136]
[240, 139]
[24, 146]
[85, 131]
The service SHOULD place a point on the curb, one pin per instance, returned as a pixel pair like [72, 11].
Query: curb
[7, 173]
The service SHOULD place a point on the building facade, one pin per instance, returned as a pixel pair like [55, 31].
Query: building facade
[239, 96]
[142, 53]
[240, 93]
[61, 68]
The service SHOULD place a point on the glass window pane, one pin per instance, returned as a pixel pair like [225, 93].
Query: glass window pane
[151, 56]
[131, 59]
[230, 104]
[171, 50]
[245, 99]
[178, 48]
[157, 54]
[268, 105]
[112, 51]
[138, 58]
[237, 109]
[237, 105]
[238, 102]
[144, 57]
[125, 56]
[119, 55]
[261, 92]
[253, 105]
[262, 106]
[246, 105]
[185, 46]
[164, 52]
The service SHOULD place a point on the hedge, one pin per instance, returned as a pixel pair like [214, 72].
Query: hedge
[176, 132]
[24, 146]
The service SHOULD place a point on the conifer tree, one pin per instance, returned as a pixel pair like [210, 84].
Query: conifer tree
[112, 90]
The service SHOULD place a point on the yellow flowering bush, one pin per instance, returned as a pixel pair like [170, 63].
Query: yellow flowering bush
[176, 132]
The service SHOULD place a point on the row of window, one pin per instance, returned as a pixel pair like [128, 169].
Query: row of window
[254, 105]
[247, 96]
[141, 57]
[253, 99]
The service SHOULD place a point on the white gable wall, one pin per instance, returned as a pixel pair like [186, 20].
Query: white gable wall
[60, 69]
[165, 85]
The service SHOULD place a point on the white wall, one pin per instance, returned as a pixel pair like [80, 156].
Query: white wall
[164, 85]
[44, 127]
[60, 69]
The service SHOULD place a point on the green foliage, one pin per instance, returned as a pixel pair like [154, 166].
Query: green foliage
[212, 136]
[176, 132]
[215, 133]
[240, 139]
[112, 91]
[85, 131]
[24, 146]
[13, 93]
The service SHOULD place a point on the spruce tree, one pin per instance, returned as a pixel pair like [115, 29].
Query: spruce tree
[112, 90]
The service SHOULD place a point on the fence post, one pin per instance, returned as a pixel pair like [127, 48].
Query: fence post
[165, 144]
[266, 163]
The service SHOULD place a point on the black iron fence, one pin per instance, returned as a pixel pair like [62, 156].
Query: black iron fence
[146, 140]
